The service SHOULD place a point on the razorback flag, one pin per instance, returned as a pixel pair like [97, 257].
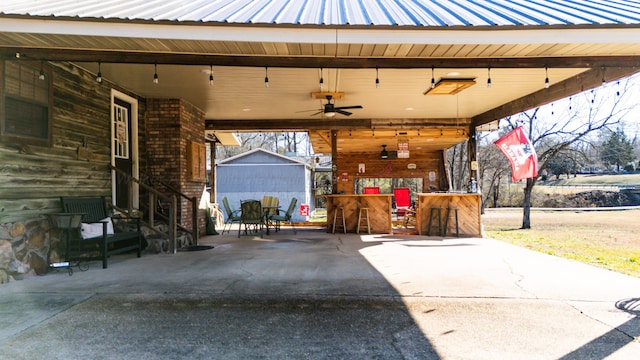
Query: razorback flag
[518, 149]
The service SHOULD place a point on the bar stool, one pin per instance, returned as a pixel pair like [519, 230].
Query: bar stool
[340, 211]
[435, 212]
[364, 211]
[446, 221]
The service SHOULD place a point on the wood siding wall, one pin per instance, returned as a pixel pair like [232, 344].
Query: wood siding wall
[375, 167]
[34, 177]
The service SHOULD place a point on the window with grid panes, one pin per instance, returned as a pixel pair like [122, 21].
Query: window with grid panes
[25, 99]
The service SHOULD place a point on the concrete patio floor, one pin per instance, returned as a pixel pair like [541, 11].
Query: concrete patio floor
[315, 295]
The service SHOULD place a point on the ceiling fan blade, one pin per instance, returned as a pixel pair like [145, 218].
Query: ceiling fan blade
[343, 112]
[348, 107]
[303, 111]
[319, 112]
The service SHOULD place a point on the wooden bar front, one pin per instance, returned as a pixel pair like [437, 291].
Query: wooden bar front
[379, 211]
[468, 206]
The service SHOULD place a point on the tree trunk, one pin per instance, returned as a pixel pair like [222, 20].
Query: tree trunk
[526, 206]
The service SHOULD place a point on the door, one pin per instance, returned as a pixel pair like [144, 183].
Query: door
[124, 148]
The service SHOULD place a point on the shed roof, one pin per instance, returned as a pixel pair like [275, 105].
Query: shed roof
[234, 159]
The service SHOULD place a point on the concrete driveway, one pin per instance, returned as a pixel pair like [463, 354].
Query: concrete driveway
[316, 296]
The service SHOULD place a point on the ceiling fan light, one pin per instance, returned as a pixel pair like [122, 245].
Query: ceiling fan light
[330, 114]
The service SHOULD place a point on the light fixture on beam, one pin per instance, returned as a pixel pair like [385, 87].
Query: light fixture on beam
[450, 86]
[99, 76]
[546, 79]
[155, 73]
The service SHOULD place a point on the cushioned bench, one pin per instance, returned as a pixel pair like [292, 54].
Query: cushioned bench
[99, 245]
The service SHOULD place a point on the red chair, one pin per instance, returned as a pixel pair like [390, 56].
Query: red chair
[372, 190]
[403, 200]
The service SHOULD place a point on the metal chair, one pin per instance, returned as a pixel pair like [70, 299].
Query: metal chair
[233, 215]
[251, 216]
[277, 218]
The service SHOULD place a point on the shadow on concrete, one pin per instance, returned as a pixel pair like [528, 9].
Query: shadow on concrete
[308, 296]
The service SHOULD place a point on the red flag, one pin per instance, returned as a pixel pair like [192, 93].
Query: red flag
[518, 149]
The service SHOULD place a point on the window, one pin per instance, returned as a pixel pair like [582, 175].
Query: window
[25, 114]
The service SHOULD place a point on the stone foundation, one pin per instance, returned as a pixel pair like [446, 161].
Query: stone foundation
[27, 248]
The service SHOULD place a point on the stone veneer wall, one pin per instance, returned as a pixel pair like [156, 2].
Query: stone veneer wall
[171, 125]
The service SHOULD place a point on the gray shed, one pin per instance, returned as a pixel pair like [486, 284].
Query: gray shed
[260, 172]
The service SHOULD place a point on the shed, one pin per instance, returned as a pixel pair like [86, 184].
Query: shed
[260, 172]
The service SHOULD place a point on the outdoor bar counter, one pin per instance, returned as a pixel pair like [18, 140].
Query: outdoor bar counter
[468, 206]
[379, 206]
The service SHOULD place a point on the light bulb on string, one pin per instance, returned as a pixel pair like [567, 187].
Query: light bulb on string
[377, 79]
[41, 76]
[99, 76]
[155, 73]
[266, 77]
[488, 77]
[546, 80]
[433, 79]
[321, 80]
[210, 75]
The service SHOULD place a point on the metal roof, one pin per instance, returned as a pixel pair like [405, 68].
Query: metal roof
[416, 13]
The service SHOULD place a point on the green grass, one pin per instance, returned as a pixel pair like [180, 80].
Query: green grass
[605, 239]
[622, 179]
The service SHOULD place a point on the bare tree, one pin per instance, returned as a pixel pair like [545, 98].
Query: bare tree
[552, 131]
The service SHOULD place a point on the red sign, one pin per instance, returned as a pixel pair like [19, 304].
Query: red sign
[304, 209]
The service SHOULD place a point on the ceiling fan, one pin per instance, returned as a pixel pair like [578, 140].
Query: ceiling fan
[330, 110]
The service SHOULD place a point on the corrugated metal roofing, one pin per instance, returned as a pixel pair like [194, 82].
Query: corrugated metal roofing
[420, 13]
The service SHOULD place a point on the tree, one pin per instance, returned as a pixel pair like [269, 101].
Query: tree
[567, 161]
[553, 132]
[616, 149]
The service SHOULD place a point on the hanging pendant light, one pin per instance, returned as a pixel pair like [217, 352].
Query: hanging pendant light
[99, 76]
[266, 76]
[41, 76]
[489, 77]
[546, 80]
[210, 75]
[155, 73]
[321, 80]
[433, 78]
[377, 79]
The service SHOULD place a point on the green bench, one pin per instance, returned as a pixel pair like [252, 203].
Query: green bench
[102, 244]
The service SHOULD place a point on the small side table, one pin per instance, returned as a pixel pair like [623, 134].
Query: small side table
[66, 222]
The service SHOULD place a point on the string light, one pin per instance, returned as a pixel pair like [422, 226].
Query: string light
[546, 80]
[377, 79]
[488, 77]
[266, 77]
[99, 77]
[155, 73]
[41, 76]
[210, 75]
[433, 79]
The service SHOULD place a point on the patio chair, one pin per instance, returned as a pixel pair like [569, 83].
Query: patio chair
[270, 204]
[372, 190]
[233, 215]
[277, 218]
[403, 200]
[251, 217]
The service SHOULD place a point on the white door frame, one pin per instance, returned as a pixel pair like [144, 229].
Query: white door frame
[134, 145]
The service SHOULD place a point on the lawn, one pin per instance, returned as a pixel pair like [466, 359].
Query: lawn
[607, 239]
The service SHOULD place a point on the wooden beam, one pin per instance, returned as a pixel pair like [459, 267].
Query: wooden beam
[140, 57]
[582, 82]
[326, 124]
